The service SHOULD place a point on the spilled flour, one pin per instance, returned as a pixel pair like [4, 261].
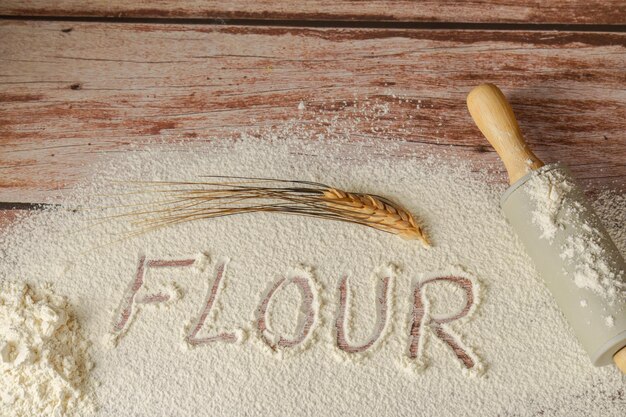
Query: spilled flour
[278, 315]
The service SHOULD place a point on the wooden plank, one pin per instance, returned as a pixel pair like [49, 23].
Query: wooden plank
[70, 93]
[7, 217]
[488, 11]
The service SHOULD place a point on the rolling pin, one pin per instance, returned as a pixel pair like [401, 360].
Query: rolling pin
[571, 250]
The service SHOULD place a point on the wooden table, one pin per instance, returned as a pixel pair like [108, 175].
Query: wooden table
[79, 80]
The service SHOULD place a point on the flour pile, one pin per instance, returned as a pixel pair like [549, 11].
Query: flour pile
[274, 315]
[44, 362]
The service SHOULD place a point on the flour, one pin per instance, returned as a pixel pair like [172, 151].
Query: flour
[591, 270]
[44, 361]
[609, 321]
[549, 191]
[555, 205]
[482, 336]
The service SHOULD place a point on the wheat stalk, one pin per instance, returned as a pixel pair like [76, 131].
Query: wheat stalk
[187, 201]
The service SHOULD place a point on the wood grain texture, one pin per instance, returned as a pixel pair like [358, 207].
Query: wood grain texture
[70, 93]
[488, 11]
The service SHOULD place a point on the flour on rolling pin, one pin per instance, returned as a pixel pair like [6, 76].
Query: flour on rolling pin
[551, 192]
[548, 192]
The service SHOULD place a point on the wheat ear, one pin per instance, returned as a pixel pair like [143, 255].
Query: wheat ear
[201, 200]
[378, 213]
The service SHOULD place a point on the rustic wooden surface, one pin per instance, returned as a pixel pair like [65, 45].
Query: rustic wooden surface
[71, 92]
[492, 11]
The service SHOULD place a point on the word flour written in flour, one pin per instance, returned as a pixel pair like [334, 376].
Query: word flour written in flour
[422, 321]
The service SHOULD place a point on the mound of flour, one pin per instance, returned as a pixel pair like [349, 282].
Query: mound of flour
[241, 315]
[44, 362]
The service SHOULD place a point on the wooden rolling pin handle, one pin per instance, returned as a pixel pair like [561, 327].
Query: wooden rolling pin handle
[620, 359]
[495, 119]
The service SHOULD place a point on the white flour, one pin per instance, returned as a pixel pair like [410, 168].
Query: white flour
[44, 362]
[548, 190]
[554, 196]
[242, 315]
